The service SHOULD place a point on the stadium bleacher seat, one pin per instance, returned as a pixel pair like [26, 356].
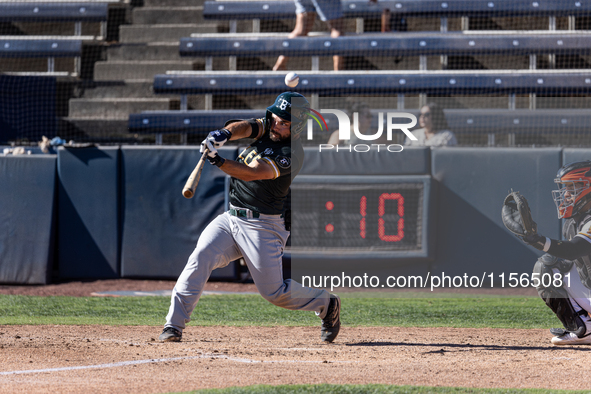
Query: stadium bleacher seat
[47, 47]
[371, 55]
[52, 45]
[197, 121]
[486, 122]
[379, 82]
[233, 10]
[27, 46]
[76, 12]
[512, 81]
[391, 44]
[54, 11]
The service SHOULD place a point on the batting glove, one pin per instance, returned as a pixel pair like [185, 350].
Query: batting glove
[212, 155]
[217, 138]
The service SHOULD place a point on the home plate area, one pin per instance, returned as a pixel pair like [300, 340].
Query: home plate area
[129, 359]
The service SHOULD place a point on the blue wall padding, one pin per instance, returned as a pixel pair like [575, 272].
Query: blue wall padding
[570, 155]
[473, 183]
[88, 196]
[160, 226]
[27, 218]
[415, 161]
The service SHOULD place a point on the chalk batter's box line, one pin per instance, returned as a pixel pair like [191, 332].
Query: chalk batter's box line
[161, 360]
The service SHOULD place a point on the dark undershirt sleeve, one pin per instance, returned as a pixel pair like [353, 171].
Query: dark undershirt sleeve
[570, 250]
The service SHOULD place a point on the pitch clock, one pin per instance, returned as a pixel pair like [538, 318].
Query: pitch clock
[360, 216]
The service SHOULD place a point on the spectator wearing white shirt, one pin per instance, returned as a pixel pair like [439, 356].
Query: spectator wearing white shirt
[434, 129]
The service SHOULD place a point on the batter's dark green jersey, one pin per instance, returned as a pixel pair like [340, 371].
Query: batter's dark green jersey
[268, 196]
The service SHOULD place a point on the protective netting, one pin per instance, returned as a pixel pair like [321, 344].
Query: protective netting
[505, 73]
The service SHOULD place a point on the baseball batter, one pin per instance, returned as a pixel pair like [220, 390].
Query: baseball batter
[571, 302]
[255, 226]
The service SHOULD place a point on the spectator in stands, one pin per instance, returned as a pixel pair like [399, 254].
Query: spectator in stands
[363, 123]
[330, 11]
[434, 130]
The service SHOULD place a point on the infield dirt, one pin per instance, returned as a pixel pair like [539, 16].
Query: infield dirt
[115, 359]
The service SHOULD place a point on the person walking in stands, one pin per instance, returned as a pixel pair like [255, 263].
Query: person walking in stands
[330, 11]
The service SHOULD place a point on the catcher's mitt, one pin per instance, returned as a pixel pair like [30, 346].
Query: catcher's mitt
[517, 216]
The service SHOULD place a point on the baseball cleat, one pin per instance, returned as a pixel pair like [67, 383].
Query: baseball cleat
[170, 334]
[331, 323]
[571, 339]
[558, 332]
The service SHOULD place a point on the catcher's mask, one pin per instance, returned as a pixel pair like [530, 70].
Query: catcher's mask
[573, 192]
[293, 107]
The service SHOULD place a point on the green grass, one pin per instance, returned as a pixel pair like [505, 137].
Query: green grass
[371, 389]
[252, 310]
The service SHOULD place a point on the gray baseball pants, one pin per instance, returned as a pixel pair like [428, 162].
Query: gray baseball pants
[260, 242]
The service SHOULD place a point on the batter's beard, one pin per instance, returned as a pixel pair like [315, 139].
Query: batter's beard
[275, 137]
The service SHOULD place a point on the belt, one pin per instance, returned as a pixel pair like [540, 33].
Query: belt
[249, 214]
[244, 213]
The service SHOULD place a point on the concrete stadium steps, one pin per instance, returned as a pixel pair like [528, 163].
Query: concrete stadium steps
[121, 89]
[167, 15]
[134, 90]
[144, 51]
[141, 69]
[163, 33]
[163, 51]
[116, 108]
[94, 129]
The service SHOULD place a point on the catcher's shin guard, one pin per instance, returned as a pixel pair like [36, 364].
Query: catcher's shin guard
[557, 298]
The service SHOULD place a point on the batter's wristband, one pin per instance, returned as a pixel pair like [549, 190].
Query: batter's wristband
[217, 160]
[254, 128]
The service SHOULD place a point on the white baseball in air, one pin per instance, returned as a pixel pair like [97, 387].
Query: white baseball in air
[292, 79]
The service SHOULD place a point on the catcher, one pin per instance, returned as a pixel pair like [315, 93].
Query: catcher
[571, 302]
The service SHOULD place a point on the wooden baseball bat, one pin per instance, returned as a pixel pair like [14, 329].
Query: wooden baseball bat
[191, 184]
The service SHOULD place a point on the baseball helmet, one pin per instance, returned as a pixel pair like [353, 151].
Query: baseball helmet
[293, 107]
[574, 192]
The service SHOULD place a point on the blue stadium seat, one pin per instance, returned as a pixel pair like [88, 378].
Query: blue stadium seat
[378, 82]
[27, 46]
[61, 11]
[480, 121]
[185, 121]
[56, 12]
[49, 47]
[234, 10]
[390, 44]
[522, 121]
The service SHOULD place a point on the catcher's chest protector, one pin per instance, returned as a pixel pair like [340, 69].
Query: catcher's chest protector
[569, 230]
